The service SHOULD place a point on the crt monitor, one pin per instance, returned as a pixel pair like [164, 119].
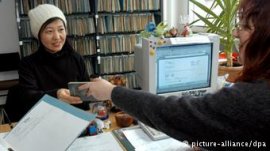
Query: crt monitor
[178, 66]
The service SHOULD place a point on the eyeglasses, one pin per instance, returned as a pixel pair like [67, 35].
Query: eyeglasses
[242, 26]
[238, 27]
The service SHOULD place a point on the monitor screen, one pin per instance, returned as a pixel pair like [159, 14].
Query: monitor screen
[183, 67]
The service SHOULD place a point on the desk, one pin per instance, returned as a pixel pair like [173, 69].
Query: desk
[85, 140]
[6, 127]
[139, 139]
[113, 124]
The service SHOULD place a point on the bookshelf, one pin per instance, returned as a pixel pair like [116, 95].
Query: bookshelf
[104, 32]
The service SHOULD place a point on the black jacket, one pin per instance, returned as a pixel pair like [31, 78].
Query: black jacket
[233, 118]
[44, 73]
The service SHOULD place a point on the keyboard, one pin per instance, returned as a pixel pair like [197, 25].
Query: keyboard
[153, 133]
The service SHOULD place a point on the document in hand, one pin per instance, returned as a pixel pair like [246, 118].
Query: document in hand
[51, 125]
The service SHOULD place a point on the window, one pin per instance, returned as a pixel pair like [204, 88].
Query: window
[193, 17]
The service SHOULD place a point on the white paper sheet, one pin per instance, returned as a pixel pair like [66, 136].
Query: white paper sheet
[50, 125]
[3, 145]
[142, 142]
[101, 142]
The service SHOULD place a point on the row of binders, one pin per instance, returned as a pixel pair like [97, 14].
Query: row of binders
[130, 78]
[84, 6]
[79, 25]
[124, 22]
[29, 47]
[86, 45]
[83, 45]
[67, 6]
[118, 43]
[127, 5]
[89, 66]
[116, 64]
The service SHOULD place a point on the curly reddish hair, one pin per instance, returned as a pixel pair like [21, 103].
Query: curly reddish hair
[257, 53]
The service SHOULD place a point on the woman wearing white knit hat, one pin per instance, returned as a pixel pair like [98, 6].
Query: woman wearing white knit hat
[53, 65]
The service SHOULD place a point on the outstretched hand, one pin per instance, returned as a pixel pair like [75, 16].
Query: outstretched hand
[64, 95]
[98, 88]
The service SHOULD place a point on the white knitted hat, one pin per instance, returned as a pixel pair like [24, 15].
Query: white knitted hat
[40, 14]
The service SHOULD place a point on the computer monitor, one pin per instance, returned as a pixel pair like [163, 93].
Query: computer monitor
[178, 66]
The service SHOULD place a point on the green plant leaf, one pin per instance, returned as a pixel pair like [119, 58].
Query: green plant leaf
[222, 23]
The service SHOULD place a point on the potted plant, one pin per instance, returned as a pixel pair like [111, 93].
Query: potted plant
[221, 24]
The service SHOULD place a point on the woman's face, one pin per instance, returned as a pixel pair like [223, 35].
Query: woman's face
[243, 35]
[53, 36]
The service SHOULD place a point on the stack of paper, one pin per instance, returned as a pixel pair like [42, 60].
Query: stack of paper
[51, 125]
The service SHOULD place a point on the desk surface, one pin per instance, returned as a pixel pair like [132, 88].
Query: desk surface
[113, 124]
[138, 139]
[6, 127]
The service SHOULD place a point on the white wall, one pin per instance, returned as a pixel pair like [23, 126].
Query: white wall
[9, 38]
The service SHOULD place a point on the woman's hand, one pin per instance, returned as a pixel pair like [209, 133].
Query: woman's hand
[64, 95]
[98, 88]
